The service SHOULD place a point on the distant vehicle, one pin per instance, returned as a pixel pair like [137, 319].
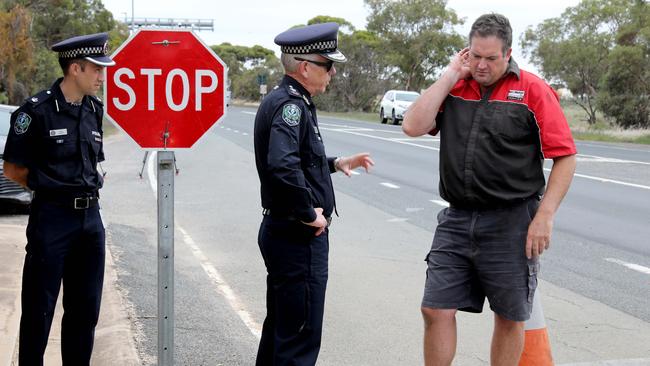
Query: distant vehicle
[394, 104]
[10, 192]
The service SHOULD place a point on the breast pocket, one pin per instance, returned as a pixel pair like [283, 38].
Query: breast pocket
[512, 121]
[61, 149]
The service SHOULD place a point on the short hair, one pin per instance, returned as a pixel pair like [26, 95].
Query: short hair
[290, 63]
[66, 62]
[493, 24]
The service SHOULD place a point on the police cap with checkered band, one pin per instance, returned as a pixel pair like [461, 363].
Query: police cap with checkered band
[91, 47]
[320, 39]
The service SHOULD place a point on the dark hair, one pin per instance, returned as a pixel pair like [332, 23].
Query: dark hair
[66, 62]
[493, 25]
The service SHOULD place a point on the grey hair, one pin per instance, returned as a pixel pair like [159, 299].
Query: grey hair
[289, 62]
[493, 24]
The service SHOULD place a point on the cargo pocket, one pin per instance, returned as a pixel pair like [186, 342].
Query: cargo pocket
[533, 268]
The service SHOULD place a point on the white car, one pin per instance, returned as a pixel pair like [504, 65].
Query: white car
[395, 103]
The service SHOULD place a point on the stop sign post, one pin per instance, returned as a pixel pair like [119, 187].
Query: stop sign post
[166, 90]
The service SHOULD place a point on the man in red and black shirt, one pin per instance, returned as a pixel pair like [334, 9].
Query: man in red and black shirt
[497, 124]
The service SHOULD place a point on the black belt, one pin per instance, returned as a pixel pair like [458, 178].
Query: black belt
[80, 202]
[267, 212]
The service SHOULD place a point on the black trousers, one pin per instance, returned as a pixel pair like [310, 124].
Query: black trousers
[63, 244]
[296, 263]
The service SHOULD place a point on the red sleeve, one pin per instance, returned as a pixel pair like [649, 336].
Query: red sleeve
[554, 132]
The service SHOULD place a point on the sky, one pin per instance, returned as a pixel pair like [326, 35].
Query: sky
[257, 22]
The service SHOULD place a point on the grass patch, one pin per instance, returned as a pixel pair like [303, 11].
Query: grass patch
[357, 116]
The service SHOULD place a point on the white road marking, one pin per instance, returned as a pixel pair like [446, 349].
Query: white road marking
[440, 202]
[610, 147]
[244, 133]
[414, 209]
[626, 362]
[237, 131]
[607, 180]
[399, 141]
[602, 159]
[228, 128]
[397, 219]
[209, 269]
[636, 267]
[222, 126]
[389, 185]
[354, 172]
[222, 286]
[247, 112]
[150, 174]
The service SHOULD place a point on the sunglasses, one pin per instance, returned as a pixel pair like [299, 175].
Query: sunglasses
[327, 65]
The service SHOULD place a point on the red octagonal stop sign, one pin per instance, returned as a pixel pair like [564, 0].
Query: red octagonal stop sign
[165, 83]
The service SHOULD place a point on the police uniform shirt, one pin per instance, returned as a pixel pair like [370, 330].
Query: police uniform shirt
[59, 143]
[290, 156]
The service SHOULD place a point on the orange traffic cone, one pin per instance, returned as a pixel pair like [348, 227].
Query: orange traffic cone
[537, 348]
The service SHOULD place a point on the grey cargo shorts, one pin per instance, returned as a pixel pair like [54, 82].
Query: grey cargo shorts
[478, 253]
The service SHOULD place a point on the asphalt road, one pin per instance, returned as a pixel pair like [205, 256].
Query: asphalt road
[601, 232]
[599, 255]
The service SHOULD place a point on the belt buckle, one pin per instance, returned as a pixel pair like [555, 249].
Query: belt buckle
[81, 199]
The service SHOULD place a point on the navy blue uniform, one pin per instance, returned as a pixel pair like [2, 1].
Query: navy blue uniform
[295, 178]
[60, 144]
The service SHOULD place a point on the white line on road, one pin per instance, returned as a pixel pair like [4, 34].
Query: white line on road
[237, 131]
[636, 267]
[602, 159]
[209, 269]
[389, 185]
[222, 286]
[440, 202]
[607, 180]
[244, 133]
[397, 219]
[247, 112]
[603, 180]
[627, 362]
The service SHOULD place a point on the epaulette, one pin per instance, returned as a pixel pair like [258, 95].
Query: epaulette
[95, 98]
[39, 98]
[295, 93]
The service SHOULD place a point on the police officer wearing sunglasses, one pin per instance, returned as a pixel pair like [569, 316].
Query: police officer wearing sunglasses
[53, 148]
[297, 196]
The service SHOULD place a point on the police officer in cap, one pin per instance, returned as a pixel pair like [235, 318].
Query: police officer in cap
[297, 196]
[53, 148]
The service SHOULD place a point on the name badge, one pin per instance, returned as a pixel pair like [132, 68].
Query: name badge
[516, 95]
[59, 132]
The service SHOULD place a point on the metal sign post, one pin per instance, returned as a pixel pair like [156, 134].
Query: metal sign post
[165, 258]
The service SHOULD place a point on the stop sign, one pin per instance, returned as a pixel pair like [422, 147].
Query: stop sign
[167, 88]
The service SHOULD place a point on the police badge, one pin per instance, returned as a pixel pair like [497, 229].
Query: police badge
[291, 114]
[22, 123]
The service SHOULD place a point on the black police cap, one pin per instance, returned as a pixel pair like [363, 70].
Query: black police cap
[92, 47]
[321, 39]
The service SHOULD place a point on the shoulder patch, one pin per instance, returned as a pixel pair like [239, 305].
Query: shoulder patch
[22, 123]
[291, 114]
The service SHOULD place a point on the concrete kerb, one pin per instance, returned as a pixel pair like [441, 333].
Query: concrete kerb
[114, 336]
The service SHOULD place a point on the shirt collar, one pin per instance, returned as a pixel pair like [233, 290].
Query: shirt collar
[59, 99]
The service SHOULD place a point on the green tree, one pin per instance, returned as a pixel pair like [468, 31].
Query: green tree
[245, 64]
[51, 21]
[17, 62]
[417, 37]
[358, 81]
[625, 87]
[572, 49]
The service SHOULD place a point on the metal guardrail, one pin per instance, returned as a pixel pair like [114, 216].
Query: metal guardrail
[193, 24]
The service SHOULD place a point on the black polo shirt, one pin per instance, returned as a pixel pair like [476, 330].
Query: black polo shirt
[59, 143]
[290, 156]
[492, 146]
